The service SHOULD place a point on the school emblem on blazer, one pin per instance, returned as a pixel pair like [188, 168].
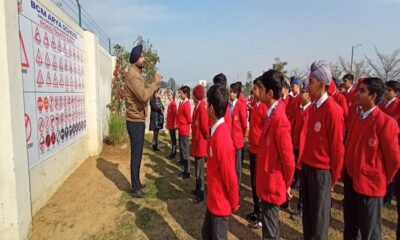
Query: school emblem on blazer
[372, 142]
[236, 118]
[196, 123]
[317, 127]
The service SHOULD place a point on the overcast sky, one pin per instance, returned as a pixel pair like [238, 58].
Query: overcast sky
[198, 39]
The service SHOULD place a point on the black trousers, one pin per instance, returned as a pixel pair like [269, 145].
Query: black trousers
[172, 135]
[184, 152]
[361, 213]
[270, 221]
[396, 184]
[136, 136]
[199, 172]
[256, 200]
[238, 164]
[155, 137]
[214, 227]
[316, 197]
[297, 176]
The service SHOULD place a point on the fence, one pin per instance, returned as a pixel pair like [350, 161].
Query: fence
[75, 11]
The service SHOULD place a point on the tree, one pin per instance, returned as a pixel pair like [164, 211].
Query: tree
[163, 84]
[336, 70]
[151, 57]
[280, 66]
[298, 73]
[172, 84]
[360, 68]
[387, 66]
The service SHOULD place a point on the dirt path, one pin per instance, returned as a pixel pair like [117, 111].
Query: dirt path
[92, 204]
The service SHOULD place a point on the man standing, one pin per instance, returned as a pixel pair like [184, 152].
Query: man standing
[136, 102]
[350, 91]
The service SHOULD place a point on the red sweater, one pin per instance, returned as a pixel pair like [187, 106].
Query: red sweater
[298, 125]
[372, 153]
[293, 108]
[238, 124]
[321, 139]
[184, 118]
[222, 182]
[392, 110]
[200, 130]
[275, 159]
[257, 119]
[351, 96]
[171, 115]
[340, 99]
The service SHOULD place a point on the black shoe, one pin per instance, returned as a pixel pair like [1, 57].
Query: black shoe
[255, 224]
[194, 192]
[184, 175]
[252, 217]
[297, 216]
[138, 194]
[199, 199]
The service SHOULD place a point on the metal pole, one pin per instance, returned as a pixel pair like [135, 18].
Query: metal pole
[109, 45]
[351, 62]
[79, 13]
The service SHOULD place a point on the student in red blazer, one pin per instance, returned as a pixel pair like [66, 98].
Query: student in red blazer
[294, 99]
[391, 106]
[350, 90]
[221, 79]
[171, 122]
[285, 93]
[371, 161]
[304, 108]
[238, 126]
[184, 119]
[275, 160]
[322, 158]
[200, 135]
[339, 98]
[222, 186]
[257, 119]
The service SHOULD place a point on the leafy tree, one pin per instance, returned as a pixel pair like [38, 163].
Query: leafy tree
[280, 66]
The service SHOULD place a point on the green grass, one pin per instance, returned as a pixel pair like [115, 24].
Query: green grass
[116, 128]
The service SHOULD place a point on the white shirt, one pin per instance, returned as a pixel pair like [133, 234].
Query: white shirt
[348, 91]
[364, 115]
[387, 104]
[272, 108]
[303, 108]
[321, 100]
[215, 126]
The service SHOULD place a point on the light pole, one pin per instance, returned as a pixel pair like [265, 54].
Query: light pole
[352, 55]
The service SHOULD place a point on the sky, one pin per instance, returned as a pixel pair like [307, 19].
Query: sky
[199, 39]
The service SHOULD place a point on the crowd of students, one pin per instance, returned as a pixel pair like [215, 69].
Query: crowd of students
[307, 135]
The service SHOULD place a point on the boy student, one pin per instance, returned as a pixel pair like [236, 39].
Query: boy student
[275, 161]
[372, 159]
[339, 98]
[321, 153]
[200, 135]
[349, 89]
[285, 93]
[238, 115]
[303, 108]
[221, 79]
[184, 119]
[294, 99]
[222, 194]
[171, 122]
[257, 119]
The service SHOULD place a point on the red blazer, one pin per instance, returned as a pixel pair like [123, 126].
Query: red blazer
[293, 108]
[372, 153]
[351, 96]
[321, 139]
[257, 119]
[200, 130]
[286, 101]
[392, 110]
[340, 99]
[275, 159]
[238, 124]
[184, 118]
[227, 119]
[298, 125]
[222, 182]
[171, 115]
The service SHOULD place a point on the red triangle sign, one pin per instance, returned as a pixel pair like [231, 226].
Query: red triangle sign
[39, 57]
[59, 47]
[25, 61]
[48, 79]
[60, 65]
[53, 43]
[46, 40]
[40, 77]
[47, 60]
[55, 62]
[61, 80]
[55, 81]
[66, 81]
[65, 48]
[37, 36]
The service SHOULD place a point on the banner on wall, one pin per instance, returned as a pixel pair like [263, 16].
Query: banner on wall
[52, 58]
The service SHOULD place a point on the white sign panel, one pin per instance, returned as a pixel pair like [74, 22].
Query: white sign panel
[53, 77]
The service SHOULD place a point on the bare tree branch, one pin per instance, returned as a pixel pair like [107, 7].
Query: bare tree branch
[387, 66]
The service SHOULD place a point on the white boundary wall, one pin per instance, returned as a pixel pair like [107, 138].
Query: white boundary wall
[24, 191]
